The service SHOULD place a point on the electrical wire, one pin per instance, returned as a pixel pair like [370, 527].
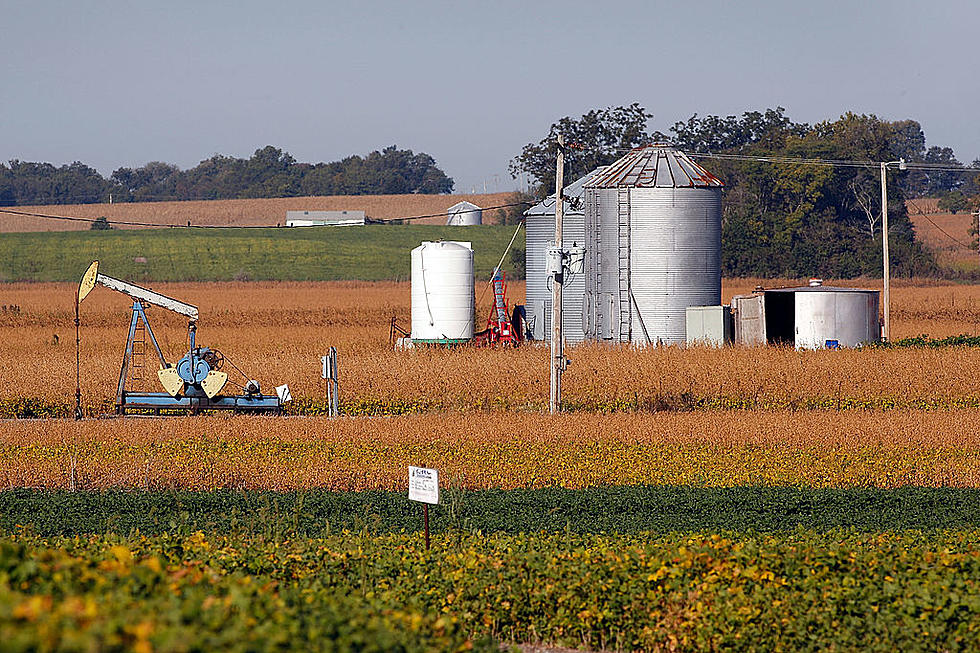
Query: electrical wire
[781, 160]
[837, 163]
[483, 293]
[160, 225]
[922, 213]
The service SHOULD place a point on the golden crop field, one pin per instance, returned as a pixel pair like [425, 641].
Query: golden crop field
[248, 212]
[493, 450]
[276, 333]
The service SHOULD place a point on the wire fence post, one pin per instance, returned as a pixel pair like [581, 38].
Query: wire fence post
[331, 376]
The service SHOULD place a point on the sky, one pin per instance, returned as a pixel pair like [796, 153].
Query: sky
[116, 84]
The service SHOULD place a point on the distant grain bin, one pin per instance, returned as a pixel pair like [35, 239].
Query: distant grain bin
[442, 292]
[464, 214]
[809, 317]
[539, 225]
[653, 246]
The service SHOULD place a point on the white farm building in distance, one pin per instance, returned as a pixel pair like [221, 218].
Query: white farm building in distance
[324, 218]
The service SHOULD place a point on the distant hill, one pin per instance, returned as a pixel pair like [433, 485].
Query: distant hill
[248, 212]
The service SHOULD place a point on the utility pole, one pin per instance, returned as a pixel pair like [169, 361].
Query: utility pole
[886, 276]
[557, 344]
[78, 362]
[977, 213]
[884, 249]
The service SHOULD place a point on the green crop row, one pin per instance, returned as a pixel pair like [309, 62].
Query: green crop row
[101, 598]
[795, 591]
[621, 509]
[924, 341]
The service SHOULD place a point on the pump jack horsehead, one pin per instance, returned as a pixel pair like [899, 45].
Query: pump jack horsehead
[196, 382]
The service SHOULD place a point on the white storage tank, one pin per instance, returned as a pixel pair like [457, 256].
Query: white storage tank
[539, 230]
[653, 246]
[464, 214]
[442, 292]
[808, 317]
[835, 317]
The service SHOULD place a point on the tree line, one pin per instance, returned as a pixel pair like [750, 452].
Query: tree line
[269, 172]
[782, 219]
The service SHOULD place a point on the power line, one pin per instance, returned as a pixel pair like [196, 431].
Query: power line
[941, 230]
[837, 163]
[130, 223]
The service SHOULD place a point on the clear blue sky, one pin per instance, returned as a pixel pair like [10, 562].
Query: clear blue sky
[122, 83]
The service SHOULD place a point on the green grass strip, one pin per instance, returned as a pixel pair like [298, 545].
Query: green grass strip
[620, 509]
[369, 253]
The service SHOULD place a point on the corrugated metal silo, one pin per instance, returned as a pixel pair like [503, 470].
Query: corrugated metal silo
[539, 223]
[464, 214]
[653, 246]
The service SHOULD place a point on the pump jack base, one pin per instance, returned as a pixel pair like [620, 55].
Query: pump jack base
[157, 402]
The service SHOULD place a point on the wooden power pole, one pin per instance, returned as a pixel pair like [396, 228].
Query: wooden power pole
[557, 342]
[886, 280]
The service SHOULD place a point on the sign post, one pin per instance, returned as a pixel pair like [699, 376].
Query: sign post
[423, 486]
[331, 376]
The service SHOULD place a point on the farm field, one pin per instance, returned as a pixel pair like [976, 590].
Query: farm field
[276, 333]
[246, 212]
[951, 237]
[681, 591]
[368, 253]
[690, 500]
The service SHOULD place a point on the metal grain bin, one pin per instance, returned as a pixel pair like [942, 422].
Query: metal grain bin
[539, 222]
[464, 214]
[653, 246]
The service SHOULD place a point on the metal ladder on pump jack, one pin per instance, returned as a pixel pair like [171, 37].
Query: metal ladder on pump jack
[137, 357]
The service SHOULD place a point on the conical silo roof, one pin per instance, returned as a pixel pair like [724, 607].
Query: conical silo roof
[655, 166]
[573, 192]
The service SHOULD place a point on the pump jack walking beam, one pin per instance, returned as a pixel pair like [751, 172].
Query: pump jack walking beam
[138, 293]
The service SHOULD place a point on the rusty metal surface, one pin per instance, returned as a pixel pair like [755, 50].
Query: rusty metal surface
[655, 166]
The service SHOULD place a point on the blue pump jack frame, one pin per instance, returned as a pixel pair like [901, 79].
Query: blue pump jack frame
[157, 401]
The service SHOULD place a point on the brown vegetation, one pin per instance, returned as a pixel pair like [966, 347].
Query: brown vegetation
[250, 212]
[276, 333]
[818, 449]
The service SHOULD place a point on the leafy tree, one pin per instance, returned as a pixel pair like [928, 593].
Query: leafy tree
[956, 201]
[101, 223]
[799, 220]
[768, 129]
[596, 139]
[43, 183]
[154, 181]
[269, 172]
[8, 194]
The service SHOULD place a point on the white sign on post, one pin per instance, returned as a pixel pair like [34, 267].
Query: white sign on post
[423, 484]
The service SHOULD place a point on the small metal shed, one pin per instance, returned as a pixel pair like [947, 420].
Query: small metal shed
[808, 317]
